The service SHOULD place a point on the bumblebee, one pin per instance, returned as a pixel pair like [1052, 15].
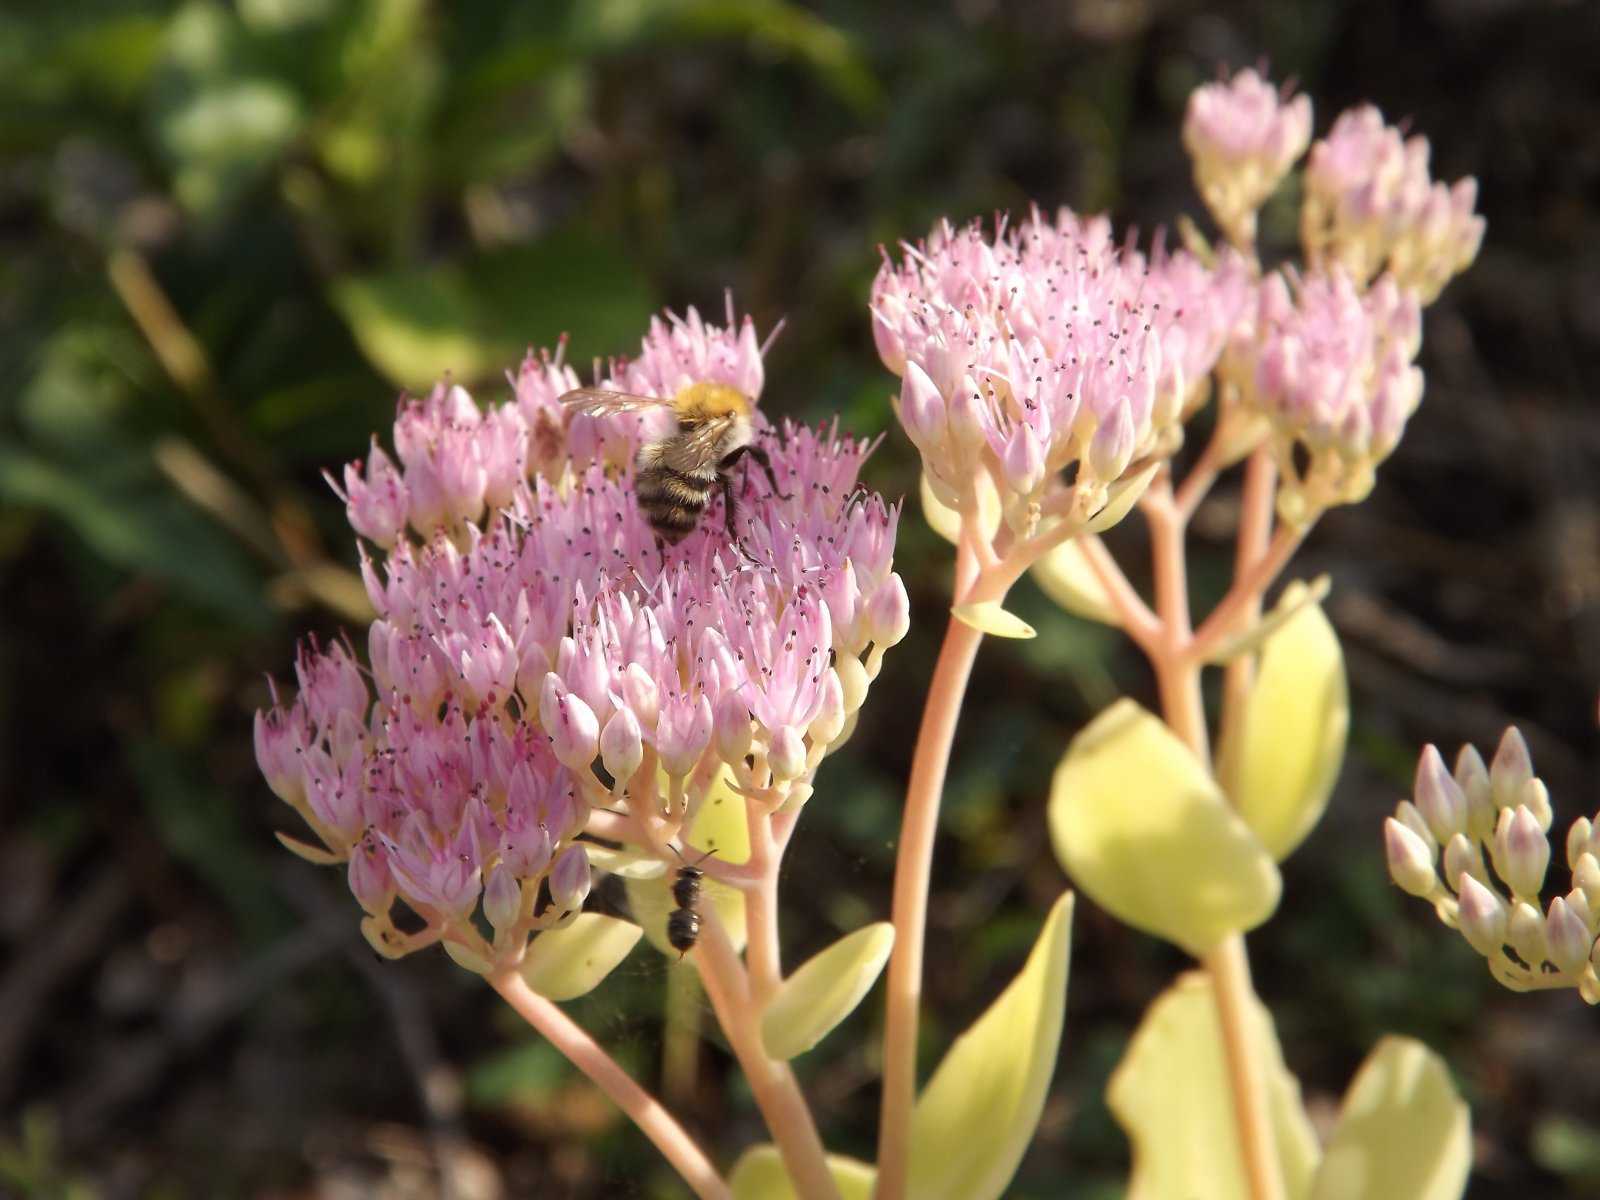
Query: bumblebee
[675, 475]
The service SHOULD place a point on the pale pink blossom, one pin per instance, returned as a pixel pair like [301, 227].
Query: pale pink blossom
[1243, 136]
[537, 655]
[1044, 346]
[1371, 206]
[1333, 371]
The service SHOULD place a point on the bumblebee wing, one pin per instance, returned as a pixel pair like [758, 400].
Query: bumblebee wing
[699, 448]
[604, 403]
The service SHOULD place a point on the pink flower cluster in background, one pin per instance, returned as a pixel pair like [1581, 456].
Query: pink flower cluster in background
[1044, 346]
[537, 657]
[1047, 352]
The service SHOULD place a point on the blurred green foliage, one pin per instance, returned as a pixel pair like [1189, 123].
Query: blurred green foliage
[230, 234]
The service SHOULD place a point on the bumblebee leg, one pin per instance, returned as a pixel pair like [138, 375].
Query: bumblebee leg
[760, 455]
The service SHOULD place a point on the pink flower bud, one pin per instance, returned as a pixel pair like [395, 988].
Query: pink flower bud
[1022, 461]
[1569, 938]
[1112, 445]
[1577, 840]
[569, 879]
[731, 728]
[682, 735]
[1512, 767]
[922, 410]
[1483, 917]
[787, 754]
[1462, 857]
[573, 730]
[278, 744]
[1438, 798]
[1525, 931]
[1406, 813]
[1473, 778]
[1410, 859]
[502, 898]
[369, 878]
[1522, 853]
[622, 745]
[639, 693]
[889, 613]
[376, 504]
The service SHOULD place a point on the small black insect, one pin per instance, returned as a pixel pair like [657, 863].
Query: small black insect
[683, 922]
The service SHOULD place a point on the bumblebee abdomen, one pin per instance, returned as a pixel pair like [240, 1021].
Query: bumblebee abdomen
[671, 500]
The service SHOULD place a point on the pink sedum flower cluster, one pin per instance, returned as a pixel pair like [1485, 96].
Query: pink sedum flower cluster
[537, 658]
[1243, 136]
[1046, 347]
[1371, 206]
[1332, 369]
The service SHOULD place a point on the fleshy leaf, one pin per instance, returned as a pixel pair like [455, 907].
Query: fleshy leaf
[759, 1175]
[565, 963]
[1404, 1133]
[946, 520]
[824, 991]
[1142, 827]
[1293, 728]
[1295, 597]
[466, 959]
[1170, 1092]
[1121, 496]
[978, 1113]
[1064, 574]
[941, 518]
[305, 850]
[988, 617]
[627, 862]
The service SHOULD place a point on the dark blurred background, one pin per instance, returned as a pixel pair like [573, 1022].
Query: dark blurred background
[230, 234]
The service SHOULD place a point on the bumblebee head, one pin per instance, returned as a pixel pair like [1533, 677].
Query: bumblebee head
[701, 402]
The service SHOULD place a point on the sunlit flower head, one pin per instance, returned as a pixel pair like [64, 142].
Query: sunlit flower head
[1243, 136]
[537, 657]
[1371, 206]
[1044, 347]
[1332, 369]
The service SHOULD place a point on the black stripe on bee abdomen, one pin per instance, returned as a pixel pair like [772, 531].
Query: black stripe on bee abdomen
[672, 500]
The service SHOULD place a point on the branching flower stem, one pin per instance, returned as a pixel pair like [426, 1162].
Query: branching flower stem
[642, 1108]
[913, 868]
[777, 1093]
[1177, 669]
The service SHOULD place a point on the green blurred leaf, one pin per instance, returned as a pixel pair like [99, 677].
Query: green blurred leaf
[205, 831]
[1170, 1094]
[1142, 827]
[135, 525]
[979, 1112]
[475, 321]
[218, 118]
[1404, 1132]
[824, 991]
[531, 1069]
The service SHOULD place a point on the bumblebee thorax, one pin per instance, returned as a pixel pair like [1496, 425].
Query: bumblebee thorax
[698, 403]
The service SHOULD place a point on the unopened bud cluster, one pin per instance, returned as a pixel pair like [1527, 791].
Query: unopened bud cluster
[538, 656]
[1475, 842]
